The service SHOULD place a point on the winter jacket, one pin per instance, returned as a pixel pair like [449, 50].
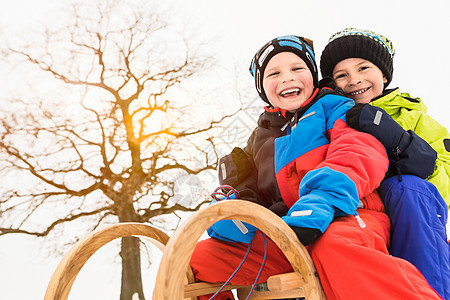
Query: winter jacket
[311, 162]
[412, 115]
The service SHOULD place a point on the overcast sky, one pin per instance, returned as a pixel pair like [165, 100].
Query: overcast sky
[418, 29]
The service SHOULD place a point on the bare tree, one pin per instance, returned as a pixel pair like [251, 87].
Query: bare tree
[106, 144]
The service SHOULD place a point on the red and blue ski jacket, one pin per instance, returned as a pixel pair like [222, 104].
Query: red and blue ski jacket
[323, 167]
[307, 167]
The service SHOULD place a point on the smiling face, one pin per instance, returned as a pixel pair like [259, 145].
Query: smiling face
[287, 81]
[359, 78]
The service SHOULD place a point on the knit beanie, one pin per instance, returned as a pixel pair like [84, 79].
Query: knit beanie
[353, 42]
[290, 43]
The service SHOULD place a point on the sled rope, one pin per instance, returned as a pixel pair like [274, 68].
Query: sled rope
[232, 191]
[234, 273]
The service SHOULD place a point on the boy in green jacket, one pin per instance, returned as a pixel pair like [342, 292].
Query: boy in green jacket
[360, 62]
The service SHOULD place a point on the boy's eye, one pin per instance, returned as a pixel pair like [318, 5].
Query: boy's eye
[339, 76]
[362, 68]
[272, 74]
[297, 68]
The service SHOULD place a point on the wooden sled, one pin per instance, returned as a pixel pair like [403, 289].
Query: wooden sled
[71, 264]
[303, 282]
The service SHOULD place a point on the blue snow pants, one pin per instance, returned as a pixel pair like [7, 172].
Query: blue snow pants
[418, 215]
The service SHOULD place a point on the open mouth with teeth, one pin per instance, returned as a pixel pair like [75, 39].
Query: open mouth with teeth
[291, 92]
[358, 92]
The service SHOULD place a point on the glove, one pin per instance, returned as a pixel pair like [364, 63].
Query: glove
[234, 167]
[417, 157]
[328, 86]
[327, 82]
[279, 208]
[377, 122]
[407, 152]
[353, 116]
[228, 230]
[306, 235]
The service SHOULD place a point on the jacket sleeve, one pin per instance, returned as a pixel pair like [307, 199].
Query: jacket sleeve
[408, 153]
[355, 163]
[357, 154]
[237, 170]
[437, 136]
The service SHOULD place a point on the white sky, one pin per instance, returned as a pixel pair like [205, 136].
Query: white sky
[418, 29]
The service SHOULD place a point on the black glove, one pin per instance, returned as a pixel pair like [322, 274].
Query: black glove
[234, 167]
[306, 235]
[330, 87]
[280, 208]
[327, 82]
[353, 115]
[377, 122]
[408, 153]
[415, 156]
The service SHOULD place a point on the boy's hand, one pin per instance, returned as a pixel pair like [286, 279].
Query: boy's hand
[377, 122]
[353, 115]
[408, 153]
[306, 235]
[230, 231]
[327, 85]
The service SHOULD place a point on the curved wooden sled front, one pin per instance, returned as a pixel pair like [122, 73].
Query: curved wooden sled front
[171, 274]
[71, 264]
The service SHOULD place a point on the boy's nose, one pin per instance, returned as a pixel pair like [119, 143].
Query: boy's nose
[287, 77]
[354, 80]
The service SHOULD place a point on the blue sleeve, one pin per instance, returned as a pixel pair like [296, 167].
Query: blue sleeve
[336, 109]
[322, 193]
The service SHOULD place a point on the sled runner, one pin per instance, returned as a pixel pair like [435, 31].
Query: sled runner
[71, 264]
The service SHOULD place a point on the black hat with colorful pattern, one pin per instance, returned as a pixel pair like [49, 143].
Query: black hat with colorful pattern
[354, 42]
[290, 43]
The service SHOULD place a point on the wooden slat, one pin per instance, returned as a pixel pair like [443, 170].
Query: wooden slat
[205, 288]
[293, 293]
[260, 295]
[285, 281]
[282, 285]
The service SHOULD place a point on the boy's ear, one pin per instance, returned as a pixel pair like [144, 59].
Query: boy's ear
[384, 79]
[309, 42]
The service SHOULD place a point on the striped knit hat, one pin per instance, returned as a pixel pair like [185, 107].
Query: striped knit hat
[353, 42]
[300, 46]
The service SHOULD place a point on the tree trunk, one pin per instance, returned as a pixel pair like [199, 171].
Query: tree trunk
[131, 270]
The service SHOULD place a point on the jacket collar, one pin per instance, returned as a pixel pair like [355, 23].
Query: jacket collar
[276, 117]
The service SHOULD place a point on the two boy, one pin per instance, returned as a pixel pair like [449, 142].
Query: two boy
[307, 165]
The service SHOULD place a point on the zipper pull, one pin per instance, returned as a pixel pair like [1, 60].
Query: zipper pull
[360, 221]
[285, 126]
